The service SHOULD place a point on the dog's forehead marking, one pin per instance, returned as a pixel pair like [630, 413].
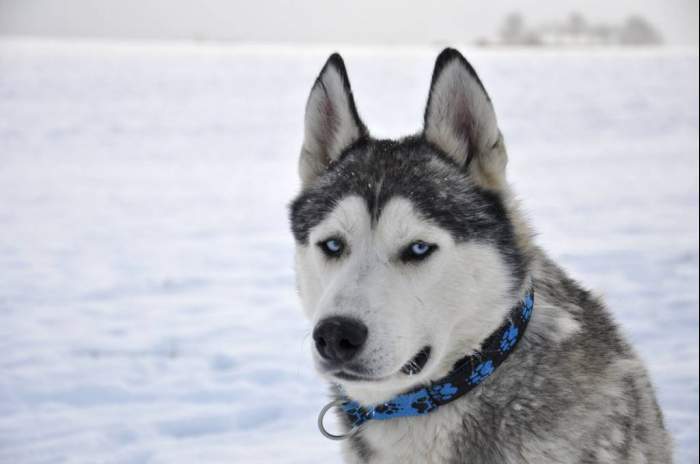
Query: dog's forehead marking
[352, 214]
[379, 171]
[376, 171]
[397, 222]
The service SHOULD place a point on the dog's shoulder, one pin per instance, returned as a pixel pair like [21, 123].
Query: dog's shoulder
[575, 391]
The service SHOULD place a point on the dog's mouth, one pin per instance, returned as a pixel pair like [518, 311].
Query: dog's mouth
[412, 367]
[418, 362]
[349, 376]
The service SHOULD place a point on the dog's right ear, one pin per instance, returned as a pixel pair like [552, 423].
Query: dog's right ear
[331, 122]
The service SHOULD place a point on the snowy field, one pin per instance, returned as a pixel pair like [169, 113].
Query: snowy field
[147, 303]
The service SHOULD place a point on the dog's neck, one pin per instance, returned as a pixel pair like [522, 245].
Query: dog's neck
[466, 374]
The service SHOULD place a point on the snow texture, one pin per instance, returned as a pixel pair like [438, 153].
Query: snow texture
[147, 304]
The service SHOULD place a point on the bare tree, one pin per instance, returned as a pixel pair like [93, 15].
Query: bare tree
[639, 31]
[513, 28]
[577, 24]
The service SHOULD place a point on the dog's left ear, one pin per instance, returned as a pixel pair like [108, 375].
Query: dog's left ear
[331, 122]
[460, 120]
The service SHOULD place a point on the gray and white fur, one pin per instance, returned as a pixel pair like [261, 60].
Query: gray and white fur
[574, 391]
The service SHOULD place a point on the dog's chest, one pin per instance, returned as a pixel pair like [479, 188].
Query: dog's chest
[385, 443]
[419, 440]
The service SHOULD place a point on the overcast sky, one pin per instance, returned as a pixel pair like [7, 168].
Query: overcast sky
[358, 21]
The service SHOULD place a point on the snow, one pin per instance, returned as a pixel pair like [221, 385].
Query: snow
[147, 302]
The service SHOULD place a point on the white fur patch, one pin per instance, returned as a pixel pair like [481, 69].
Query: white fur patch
[451, 301]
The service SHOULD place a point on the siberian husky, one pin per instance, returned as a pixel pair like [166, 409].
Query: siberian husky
[447, 334]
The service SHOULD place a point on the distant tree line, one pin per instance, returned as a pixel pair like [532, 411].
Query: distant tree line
[575, 30]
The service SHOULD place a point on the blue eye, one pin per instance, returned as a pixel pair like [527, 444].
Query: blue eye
[417, 251]
[333, 247]
[420, 248]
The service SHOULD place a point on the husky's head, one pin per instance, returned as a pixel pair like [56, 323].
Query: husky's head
[409, 253]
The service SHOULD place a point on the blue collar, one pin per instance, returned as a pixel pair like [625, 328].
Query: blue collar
[468, 373]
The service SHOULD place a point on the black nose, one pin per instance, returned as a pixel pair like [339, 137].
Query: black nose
[339, 339]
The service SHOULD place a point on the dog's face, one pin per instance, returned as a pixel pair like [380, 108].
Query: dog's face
[407, 257]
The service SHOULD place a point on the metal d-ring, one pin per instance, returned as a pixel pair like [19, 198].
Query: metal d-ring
[322, 428]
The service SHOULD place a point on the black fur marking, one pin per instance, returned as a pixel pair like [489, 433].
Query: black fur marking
[413, 169]
[361, 448]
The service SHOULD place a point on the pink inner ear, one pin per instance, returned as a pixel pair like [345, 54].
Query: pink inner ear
[331, 120]
[462, 119]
